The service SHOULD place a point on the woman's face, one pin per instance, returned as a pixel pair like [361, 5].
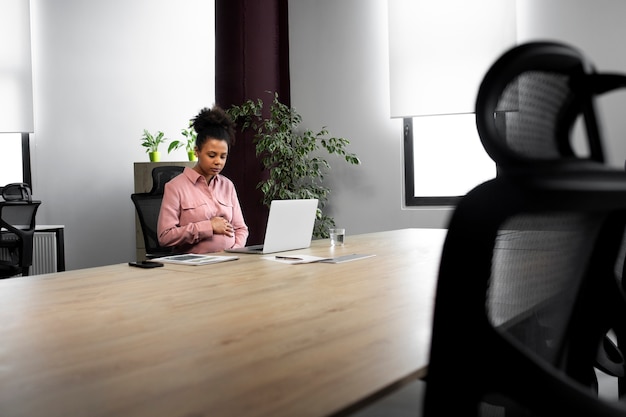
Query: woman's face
[212, 157]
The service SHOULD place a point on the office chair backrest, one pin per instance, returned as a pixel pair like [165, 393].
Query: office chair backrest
[526, 288]
[17, 220]
[524, 297]
[148, 206]
[530, 101]
[161, 175]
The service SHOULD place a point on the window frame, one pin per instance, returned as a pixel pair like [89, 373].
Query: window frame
[411, 200]
[26, 163]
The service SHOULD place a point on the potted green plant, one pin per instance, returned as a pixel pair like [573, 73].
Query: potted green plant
[291, 155]
[152, 142]
[189, 143]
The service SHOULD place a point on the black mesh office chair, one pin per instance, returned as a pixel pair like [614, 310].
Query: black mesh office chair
[526, 111]
[17, 223]
[148, 206]
[527, 289]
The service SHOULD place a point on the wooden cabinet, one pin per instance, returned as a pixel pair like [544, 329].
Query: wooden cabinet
[143, 184]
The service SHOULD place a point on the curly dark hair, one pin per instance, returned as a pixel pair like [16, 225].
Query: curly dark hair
[214, 123]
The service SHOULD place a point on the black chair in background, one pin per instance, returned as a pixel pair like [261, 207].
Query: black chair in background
[17, 223]
[527, 288]
[148, 206]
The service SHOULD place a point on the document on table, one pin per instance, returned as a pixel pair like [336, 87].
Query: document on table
[347, 258]
[195, 259]
[307, 259]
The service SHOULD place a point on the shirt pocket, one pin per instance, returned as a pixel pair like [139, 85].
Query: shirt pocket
[193, 212]
[224, 202]
[224, 208]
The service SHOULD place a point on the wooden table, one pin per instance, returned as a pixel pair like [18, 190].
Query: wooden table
[246, 338]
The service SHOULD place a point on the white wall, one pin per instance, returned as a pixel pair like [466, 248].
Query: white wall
[339, 78]
[103, 70]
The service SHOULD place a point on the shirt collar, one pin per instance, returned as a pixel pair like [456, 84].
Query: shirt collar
[194, 176]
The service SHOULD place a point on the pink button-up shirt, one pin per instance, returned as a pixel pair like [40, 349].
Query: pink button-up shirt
[188, 205]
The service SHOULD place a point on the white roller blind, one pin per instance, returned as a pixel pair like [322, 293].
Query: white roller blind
[16, 89]
[440, 50]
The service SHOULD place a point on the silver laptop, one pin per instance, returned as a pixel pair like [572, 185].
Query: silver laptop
[289, 226]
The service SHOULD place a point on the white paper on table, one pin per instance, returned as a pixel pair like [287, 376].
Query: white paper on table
[296, 258]
[307, 259]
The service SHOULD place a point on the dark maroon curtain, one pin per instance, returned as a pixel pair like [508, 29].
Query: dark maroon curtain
[251, 58]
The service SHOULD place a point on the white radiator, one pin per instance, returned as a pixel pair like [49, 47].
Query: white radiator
[44, 253]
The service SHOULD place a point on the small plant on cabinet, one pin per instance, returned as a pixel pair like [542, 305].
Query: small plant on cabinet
[152, 142]
[189, 144]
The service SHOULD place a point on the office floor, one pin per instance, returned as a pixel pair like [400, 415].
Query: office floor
[406, 402]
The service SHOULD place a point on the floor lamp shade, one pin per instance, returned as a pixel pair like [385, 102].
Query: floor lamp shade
[16, 87]
[440, 50]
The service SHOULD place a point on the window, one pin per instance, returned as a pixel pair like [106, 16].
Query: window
[443, 159]
[16, 100]
[439, 53]
[14, 158]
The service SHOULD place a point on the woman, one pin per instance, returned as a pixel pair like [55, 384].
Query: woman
[200, 212]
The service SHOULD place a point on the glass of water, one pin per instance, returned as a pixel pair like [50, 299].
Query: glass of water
[337, 236]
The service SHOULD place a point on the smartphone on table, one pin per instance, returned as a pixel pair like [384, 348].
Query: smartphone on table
[146, 264]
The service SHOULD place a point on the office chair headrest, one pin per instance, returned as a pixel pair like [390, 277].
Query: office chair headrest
[529, 101]
[17, 191]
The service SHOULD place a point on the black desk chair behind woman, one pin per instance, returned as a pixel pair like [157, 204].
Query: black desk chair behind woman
[148, 206]
[17, 228]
